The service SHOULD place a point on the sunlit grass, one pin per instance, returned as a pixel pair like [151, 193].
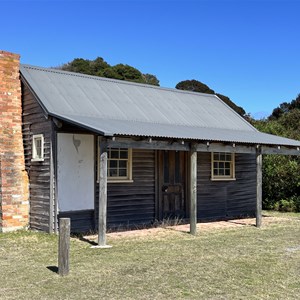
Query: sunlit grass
[232, 263]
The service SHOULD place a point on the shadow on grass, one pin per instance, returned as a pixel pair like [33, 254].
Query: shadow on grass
[240, 223]
[83, 239]
[54, 269]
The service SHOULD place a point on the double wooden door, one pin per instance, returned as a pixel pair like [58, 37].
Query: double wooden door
[172, 184]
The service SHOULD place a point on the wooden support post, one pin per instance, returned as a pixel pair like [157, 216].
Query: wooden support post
[193, 190]
[102, 198]
[258, 188]
[64, 246]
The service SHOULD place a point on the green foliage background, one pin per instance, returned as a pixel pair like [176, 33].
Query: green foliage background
[281, 174]
[99, 67]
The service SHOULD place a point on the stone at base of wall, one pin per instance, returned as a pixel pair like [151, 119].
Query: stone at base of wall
[13, 228]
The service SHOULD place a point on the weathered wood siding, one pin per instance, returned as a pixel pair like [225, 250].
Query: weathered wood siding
[133, 203]
[81, 220]
[226, 199]
[41, 200]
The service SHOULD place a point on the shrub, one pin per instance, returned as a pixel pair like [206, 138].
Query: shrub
[285, 205]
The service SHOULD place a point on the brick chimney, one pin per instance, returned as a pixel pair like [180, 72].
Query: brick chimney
[14, 195]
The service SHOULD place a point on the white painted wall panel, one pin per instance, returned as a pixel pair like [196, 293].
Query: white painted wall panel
[75, 171]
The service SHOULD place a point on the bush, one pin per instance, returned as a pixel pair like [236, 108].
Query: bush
[285, 206]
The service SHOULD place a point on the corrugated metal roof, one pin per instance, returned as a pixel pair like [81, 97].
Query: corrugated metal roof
[114, 107]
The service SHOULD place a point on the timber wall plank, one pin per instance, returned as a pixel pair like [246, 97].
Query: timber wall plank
[227, 199]
[34, 122]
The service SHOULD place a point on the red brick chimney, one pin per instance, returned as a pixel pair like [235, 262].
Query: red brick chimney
[14, 195]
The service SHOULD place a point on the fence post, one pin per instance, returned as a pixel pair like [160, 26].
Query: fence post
[64, 246]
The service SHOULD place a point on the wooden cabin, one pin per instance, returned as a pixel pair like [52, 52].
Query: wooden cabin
[165, 153]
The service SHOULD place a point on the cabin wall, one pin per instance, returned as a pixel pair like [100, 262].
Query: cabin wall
[226, 199]
[39, 172]
[134, 203]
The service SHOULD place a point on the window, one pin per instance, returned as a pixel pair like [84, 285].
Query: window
[119, 164]
[38, 147]
[223, 166]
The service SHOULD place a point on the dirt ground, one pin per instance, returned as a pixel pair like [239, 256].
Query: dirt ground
[186, 227]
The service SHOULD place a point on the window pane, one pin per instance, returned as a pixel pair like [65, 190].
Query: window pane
[114, 153]
[227, 165]
[113, 163]
[228, 157]
[221, 165]
[216, 165]
[216, 172]
[216, 156]
[123, 172]
[222, 156]
[123, 164]
[221, 172]
[124, 154]
[227, 172]
[113, 173]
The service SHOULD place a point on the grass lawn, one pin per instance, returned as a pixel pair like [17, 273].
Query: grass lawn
[219, 263]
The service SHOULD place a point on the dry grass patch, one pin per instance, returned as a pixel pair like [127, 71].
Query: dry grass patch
[235, 262]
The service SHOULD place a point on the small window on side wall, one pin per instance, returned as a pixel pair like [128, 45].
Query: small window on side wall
[119, 165]
[37, 147]
[222, 166]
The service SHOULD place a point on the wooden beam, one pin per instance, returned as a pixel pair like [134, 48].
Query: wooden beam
[51, 202]
[200, 147]
[258, 188]
[146, 144]
[64, 246]
[280, 150]
[102, 197]
[219, 147]
[193, 190]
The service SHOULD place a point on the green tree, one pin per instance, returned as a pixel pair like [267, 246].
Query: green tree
[194, 86]
[126, 72]
[99, 67]
[284, 108]
[78, 65]
[281, 174]
[150, 79]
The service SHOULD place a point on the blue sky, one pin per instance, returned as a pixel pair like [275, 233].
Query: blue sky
[248, 50]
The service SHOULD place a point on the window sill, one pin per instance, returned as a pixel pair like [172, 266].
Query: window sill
[223, 179]
[119, 181]
[37, 159]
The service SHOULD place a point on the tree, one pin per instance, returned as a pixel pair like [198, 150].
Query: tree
[284, 108]
[281, 174]
[126, 72]
[197, 86]
[194, 86]
[99, 67]
[78, 65]
[151, 79]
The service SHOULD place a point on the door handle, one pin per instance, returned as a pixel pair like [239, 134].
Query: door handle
[164, 188]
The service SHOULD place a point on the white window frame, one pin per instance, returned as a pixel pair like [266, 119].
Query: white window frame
[117, 179]
[35, 138]
[232, 167]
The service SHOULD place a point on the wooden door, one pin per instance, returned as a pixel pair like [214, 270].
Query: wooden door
[172, 185]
